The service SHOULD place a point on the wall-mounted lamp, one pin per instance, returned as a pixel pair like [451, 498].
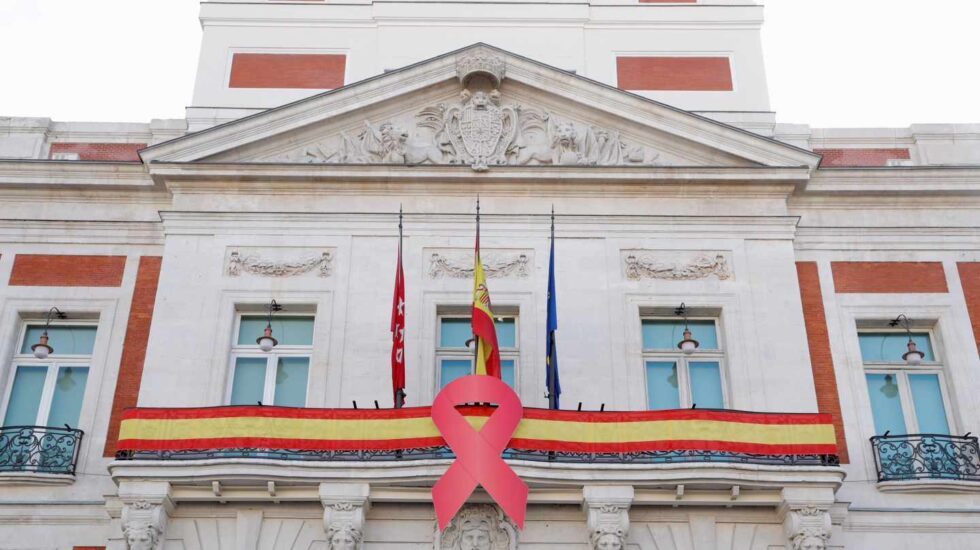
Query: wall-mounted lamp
[688, 344]
[913, 356]
[41, 349]
[266, 342]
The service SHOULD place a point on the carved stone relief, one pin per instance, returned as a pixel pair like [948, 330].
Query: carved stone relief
[498, 264]
[285, 263]
[478, 527]
[143, 525]
[675, 265]
[607, 516]
[481, 131]
[344, 507]
[808, 528]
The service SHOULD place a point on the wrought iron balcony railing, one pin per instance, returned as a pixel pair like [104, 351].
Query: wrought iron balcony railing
[39, 449]
[926, 456]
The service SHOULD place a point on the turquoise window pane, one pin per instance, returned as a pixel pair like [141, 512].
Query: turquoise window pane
[289, 331]
[666, 334]
[69, 389]
[453, 333]
[248, 386]
[706, 385]
[506, 332]
[662, 386]
[25, 396]
[453, 369]
[291, 376]
[928, 399]
[886, 404]
[66, 340]
[890, 346]
[507, 372]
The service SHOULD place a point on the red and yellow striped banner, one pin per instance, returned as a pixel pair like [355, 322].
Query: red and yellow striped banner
[251, 427]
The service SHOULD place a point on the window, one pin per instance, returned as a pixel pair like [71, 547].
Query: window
[676, 380]
[905, 399]
[278, 377]
[454, 360]
[49, 392]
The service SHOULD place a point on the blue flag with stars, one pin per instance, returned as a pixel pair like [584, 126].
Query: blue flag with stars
[551, 361]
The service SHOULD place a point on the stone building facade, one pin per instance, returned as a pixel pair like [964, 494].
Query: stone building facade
[806, 260]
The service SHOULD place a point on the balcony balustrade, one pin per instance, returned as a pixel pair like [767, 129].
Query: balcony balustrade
[39, 449]
[926, 456]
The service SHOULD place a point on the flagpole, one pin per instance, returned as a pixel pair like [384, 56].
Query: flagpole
[400, 392]
[476, 341]
[551, 361]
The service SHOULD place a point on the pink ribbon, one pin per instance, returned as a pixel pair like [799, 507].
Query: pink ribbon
[478, 453]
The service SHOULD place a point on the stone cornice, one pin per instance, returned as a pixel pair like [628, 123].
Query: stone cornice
[918, 181]
[73, 174]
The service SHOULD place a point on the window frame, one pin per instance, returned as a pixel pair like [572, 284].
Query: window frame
[252, 351]
[463, 354]
[683, 361]
[53, 363]
[901, 370]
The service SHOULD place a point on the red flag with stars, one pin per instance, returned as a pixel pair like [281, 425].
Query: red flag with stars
[398, 328]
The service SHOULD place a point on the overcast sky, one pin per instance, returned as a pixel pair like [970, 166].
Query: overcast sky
[831, 63]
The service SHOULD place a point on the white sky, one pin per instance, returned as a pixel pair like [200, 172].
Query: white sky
[831, 63]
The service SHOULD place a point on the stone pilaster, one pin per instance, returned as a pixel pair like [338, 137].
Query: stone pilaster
[607, 515]
[146, 509]
[344, 508]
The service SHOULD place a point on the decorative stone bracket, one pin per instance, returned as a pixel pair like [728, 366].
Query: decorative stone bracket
[344, 508]
[806, 519]
[146, 510]
[607, 515]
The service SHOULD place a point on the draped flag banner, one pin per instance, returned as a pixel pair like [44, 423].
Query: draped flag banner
[256, 427]
[487, 352]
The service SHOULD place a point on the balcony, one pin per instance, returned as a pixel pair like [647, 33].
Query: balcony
[39, 450]
[902, 458]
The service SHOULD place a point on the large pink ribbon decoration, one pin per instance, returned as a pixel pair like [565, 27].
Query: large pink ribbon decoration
[478, 453]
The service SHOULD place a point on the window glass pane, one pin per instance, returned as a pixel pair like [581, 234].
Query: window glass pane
[25, 396]
[453, 369]
[706, 385]
[249, 383]
[663, 334]
[66, 340]
[662, 386]
[507, 372]
[929, 408]
[291, 376]
[69, 389]
[506, 332]
[289, 331]
[886, 405]
[454, 332]
[890, 346]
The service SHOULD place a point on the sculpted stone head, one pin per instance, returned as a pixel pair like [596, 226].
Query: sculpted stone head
[475, 534]
[343, 537]
[141, 536]
[809, 540]
[607, 538]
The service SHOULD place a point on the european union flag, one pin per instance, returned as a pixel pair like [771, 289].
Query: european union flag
[551, 361]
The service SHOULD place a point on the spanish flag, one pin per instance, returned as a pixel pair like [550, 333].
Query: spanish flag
[487, 352]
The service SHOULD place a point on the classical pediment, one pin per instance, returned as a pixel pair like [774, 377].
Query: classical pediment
[480, 108]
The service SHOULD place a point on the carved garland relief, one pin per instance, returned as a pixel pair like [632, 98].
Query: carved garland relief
[458, 264]
[672, 265]
[480, 131]
[240, 262]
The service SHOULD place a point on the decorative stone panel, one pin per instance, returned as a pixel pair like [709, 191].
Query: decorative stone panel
[607, 515]
[478, 526]
[457, 263]
[278, 262]
[676, 265]
[344, 507]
